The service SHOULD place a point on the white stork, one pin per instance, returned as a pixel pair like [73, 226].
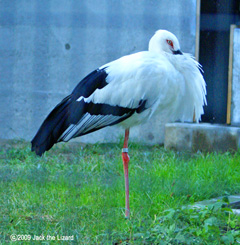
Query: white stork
[129, 91]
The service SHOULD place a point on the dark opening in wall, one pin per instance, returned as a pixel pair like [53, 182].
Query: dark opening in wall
[215, 21]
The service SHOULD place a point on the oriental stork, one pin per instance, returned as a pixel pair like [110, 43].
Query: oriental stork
[129, 91]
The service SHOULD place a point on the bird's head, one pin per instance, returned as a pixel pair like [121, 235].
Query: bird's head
[164, 41]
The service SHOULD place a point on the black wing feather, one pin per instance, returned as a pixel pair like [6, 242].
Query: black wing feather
[55, 123]
[96, 79]
[51, 127]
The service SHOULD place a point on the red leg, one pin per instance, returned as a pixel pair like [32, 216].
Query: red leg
[126, 158]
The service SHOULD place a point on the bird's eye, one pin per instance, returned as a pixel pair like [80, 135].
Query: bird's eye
[170, 43]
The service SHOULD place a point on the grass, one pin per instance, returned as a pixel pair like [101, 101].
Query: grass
[79, 191]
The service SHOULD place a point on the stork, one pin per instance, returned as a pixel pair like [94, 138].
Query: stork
[129, 91]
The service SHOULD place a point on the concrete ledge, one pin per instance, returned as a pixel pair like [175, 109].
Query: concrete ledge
[234, 202]
[203, 137]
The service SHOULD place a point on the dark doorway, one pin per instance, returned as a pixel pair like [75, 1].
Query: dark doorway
[215, 21]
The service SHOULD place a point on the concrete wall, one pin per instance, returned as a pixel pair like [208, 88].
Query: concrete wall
[47, 47]
[235, 113]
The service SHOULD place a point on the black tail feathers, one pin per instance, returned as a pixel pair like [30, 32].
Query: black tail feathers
[52, 128]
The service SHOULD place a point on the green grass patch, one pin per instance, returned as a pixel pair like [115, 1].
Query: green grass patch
[78, 191]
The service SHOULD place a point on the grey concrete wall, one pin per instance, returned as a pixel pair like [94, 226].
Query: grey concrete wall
[235, 108]
[47, 47]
